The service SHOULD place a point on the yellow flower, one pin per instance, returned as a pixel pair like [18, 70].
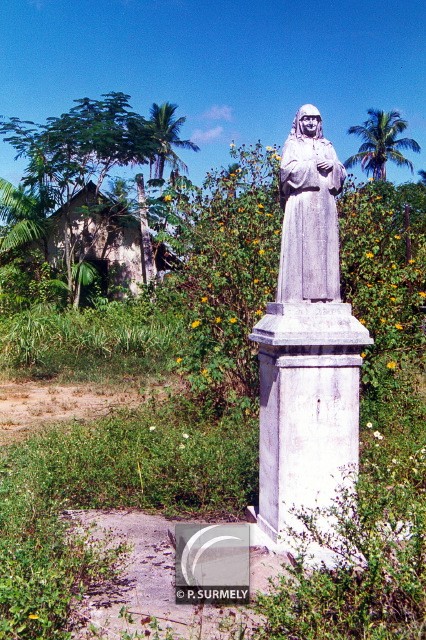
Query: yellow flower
[204, 299]
[397, 237]
[195, 324]
[204, 372]
[399, 326]
[269, 148]
[411, 261]
[383, 320]
[222, 229]
[362, 321]
[218, 320]
[256, 281]
[276, 156]
[393, 299]
[269, 215]
[277, 232]
[33, 616]
[394, 266]
[391, 365]
[256, 241]
[261, 252]
[363, 354]
[369, 254]
[422, 294]
[179, 360]
[260, 206]
[233, 320]
[232, 145]
[167, 198]
[258, 312]
[240, 209]
[394, 286]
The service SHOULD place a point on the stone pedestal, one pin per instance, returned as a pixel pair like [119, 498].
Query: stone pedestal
[309, 407]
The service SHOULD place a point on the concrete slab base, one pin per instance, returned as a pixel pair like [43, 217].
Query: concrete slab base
[146, 586]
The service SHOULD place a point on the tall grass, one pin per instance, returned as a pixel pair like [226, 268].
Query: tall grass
[47, 340]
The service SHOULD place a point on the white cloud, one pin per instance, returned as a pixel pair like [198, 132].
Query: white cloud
[217, 112]
[206, 136]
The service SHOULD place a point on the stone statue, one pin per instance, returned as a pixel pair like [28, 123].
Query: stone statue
[310, 176]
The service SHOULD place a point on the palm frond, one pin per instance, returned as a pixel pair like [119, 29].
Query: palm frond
[84, 273]
[407, 143]
[22, 232]
[400, 160]
[353, 160]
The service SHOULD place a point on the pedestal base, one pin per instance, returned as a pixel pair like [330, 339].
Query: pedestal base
[309, 406]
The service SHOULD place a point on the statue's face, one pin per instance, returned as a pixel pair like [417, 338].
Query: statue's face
[309, 125]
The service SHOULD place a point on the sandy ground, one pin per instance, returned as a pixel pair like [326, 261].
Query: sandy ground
[25, 406]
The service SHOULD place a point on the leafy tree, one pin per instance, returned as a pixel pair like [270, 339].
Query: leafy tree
[72, 151]
[381, 144]
[165, 129]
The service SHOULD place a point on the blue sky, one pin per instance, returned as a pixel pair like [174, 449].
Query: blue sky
[238, 70]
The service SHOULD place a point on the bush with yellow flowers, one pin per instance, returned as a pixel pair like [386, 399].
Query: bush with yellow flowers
[383, 273]
[230, 231]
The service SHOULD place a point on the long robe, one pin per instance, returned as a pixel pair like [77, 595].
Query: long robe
[309, 261]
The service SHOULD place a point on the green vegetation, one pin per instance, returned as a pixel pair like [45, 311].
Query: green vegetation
[47, 342]
[195, 451]
[43, 569]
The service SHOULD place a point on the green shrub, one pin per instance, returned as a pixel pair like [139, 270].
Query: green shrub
[43, 569]
[230, 233]
[383, 264]
[376, 590]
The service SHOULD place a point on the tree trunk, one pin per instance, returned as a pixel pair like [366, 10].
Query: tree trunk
[407, 223]
[68, 255]
[76, 301]
[147, 258]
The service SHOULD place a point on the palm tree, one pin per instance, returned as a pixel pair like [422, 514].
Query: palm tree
[380, 144]
[422, 174]
[165, 128]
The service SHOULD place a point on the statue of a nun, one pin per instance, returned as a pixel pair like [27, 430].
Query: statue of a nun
[310, 176]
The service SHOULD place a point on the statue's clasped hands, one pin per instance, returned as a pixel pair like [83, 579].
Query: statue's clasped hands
[324, 166]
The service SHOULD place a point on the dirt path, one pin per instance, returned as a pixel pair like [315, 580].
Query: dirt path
[25, 406]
